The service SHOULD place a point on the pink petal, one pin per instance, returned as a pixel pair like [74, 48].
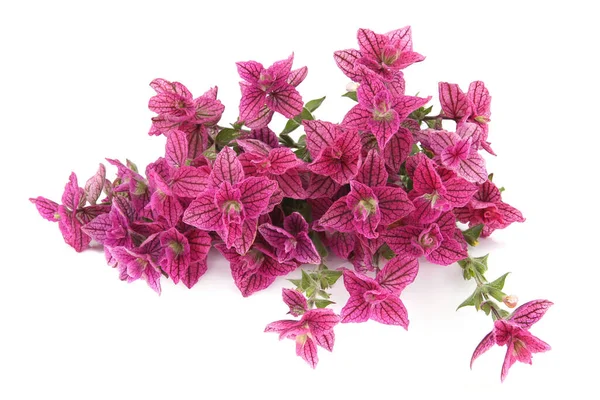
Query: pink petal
[358, 117]
[338, 216]
[167, 207]
[455, 104]
[473, 169]
[265, 135]
[393, 203]
[509, 360]
[390, 312]
[200, 243]
[249, 70]
[405, 105]
[275, 236]
[424, 212]
[459, 191]
[282, 327]
[189, 181]
[356, 310]
[372, 172]
[98, 227]
[320, 320]
[398, 273]
[260, 120]
[440, 140]
[295, 301]
[94, 185]
[530, 313]
[249, 282]
[448, 252]
[368, 90]
[340, 243]
[282, 159]
[401, 240]
[398, 149]
[227, 168]
[397, 85]
[358, 284]
[193, 273]
[255, 195]
[252, 102]
[488, 193]
[346, 60]
[297, 76]
[486, 343]
[452, 156]
[290, 184]
[152, 277]
[480, 99]
[308, 351]
[73, 196]
[295, 224]
[408, 58]
[325, 339]
[242, 236]
[370, 43]
[402, 38]
[319, 134]
[47, 208]
[203, 213]
[208, 111]
[321, 186]
[177, 254]
[286, 101]
[509, 213]
[426, 179]
[305, 251]
[273, 267]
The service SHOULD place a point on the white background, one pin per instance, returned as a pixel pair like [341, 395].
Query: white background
[75, 90]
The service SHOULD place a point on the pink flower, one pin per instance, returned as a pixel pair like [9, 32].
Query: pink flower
[378, 299]
[268, 90]
[314, 328]
[487, 208]
[514, 333]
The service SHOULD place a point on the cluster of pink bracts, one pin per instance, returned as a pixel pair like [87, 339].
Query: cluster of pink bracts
[388, 182]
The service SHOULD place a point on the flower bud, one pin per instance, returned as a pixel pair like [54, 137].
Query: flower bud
[351, 87]
[510, 301]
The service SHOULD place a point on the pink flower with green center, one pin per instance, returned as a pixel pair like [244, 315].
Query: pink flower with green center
[233, 206]
[273, 89]
[384, 54]
[335, 150]
[365, 208]
[514, 333]
[315, 327]
[291, 242]
[378, 111]
[378, 299]
[173, 100]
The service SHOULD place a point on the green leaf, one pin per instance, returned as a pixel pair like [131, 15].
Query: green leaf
[491, 177]
[286, 140]
[310, 292]
[415, 149]
[499, 283]
[323, 303]
[351, 95]
[472, 234]
[297, 283]
[386, 252]
[480, 263]
[312, 105]
[307, 282]
[302, 141]
[323, 294]
[290, 126]
[210, 153]
[319, 245]
[226, 135]
[131, 165]
[470, 301]
[502, 189]
[503, 313]
[331, 275]
[305, 114]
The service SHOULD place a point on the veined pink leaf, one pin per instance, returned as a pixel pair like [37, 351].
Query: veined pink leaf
[425, 212]
[455, 104]
[402, 38]
[390, 312]
[255, 193]
[290, 184]
[276, 237]
[530, 313]
[305, 251]
[47, 208]
[369, 88]
[190, 181]
[358, 117]
[448, 252]
[249, 282]
[321, 186]
[167, 207]
[452, 156]
[254, 146]
[325, 339]
[286, 101]
[282, 159]
[94, 185]
[249, 70]
[426, 178]
[358, 284]
[252, 102]
[73, 196]
[440, 140]
[480, 99]
[176, 149]
[405, 105]
[473, 168]
[295, 223]
[177, 254]
[459, 191]
[208, 110]
[297, 76]
[295, 301]
[488, 193]
[261, 120]
[402, 240]
[356, 310]
[319, 134]
[265, 135]
[227, 168]
[200, 243]
[408, 58]
[397, 85]
[308, 351]
[338, 216]
[346, 60]
[393, 203]
[398, 273]
[320, 319]
[98, 227]
[398, 149]
[486, 343]
[203, 212]
[370, 43]
[195, 270]
[242, 236]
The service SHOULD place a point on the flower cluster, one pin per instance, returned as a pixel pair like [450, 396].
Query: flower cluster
[383, 189]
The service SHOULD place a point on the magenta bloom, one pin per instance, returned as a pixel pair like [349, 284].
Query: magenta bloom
[273, 88]
[291, 242]
[378, 299]
[232, 207]
[437, 242]
[514, 333]
[365, 208]
[378, 111]
[335, 150]
[385, 54]
[314, 328]
[487, 208]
